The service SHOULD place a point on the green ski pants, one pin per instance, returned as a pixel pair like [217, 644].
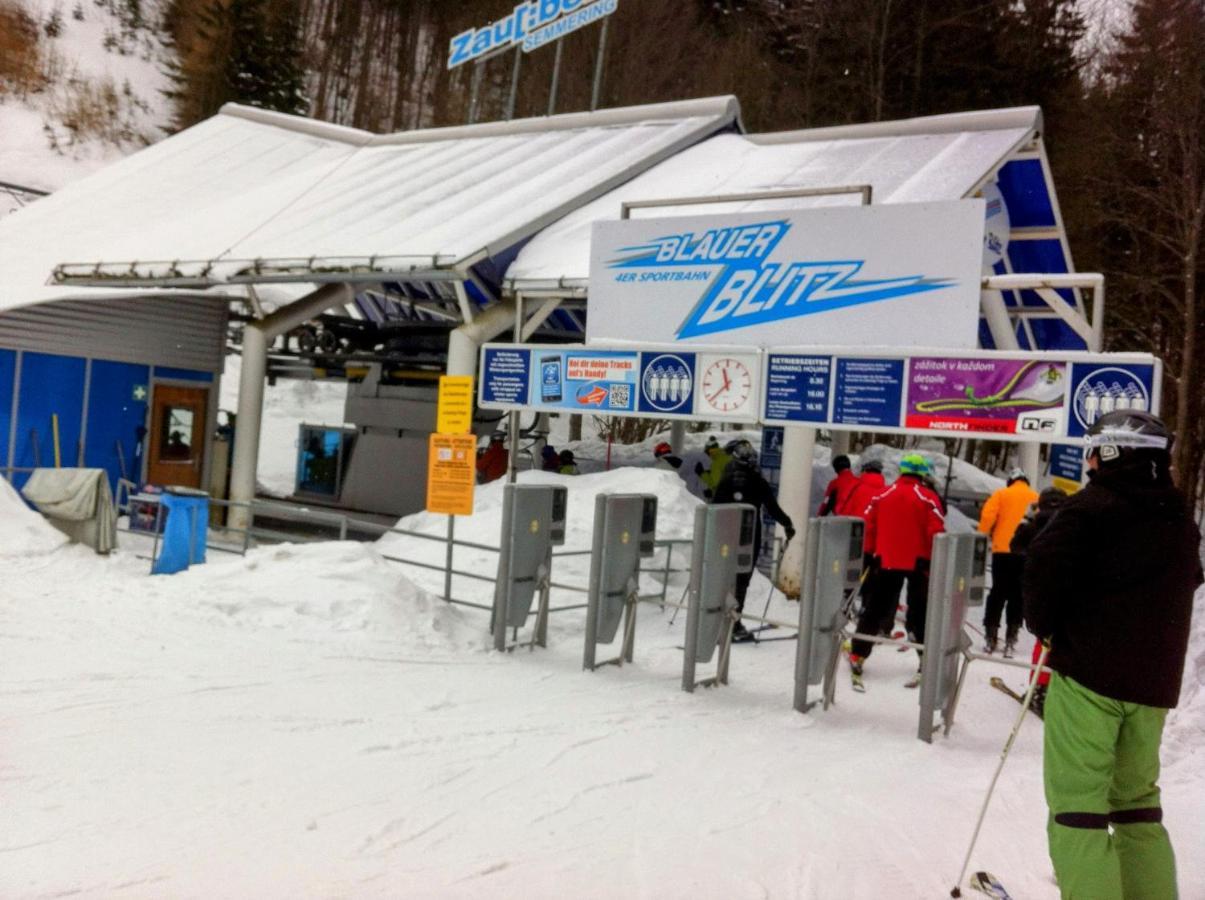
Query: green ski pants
[1101, 768]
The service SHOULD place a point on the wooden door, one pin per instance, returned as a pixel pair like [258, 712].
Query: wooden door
[176, 454]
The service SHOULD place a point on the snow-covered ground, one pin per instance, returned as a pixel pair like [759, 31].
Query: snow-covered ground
[309, 722]
[37, 148]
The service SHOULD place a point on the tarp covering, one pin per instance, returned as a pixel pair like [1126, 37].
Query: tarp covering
[248, 188]
[185, 531]
[76, 501]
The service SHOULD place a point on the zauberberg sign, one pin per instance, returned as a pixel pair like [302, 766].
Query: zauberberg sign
[898, 275]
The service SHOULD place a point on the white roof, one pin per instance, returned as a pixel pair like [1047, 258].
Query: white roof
[294, 199]
[932, 158]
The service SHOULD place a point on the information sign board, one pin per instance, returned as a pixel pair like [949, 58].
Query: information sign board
[714, 384]
[454, 412]
[451, 473]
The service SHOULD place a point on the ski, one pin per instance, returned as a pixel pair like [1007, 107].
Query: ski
[987, 883]
[998, 684]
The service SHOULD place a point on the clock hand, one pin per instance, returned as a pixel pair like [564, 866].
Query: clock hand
[711, 399]
[727, 383]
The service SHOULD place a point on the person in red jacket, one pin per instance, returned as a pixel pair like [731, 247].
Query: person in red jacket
[492, 461]
[870, 484]
[837, 494]
[901, 523]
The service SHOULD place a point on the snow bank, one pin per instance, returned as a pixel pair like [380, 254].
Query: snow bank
[339, 586]
[23, 532]
[1185, 734]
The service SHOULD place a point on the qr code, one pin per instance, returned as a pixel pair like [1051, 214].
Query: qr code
[620, 396]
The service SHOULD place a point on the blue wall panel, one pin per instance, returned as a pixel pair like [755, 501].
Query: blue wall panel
[8, 369]
[49, 384]
[1023, 185]
[182, 374]
[115, 416]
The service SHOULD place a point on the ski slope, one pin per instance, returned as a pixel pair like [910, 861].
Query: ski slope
[312, 722]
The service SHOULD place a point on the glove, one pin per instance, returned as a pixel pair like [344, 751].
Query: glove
[870, 562]
[922, 567]
[789, 531]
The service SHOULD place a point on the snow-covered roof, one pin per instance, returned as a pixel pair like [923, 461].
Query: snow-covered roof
[932, 158]
[288, 198]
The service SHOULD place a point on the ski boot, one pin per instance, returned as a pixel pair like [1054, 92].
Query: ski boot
[1038, 703]
[914, 681]
[1010, 643]
[990, 641]
[855, 673]
[741, 634]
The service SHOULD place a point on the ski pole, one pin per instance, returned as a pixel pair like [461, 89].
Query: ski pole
[1033, 683]
[774, 576]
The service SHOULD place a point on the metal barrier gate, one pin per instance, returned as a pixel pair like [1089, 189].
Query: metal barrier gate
[956, 582]
[832, 565]
[723, 547]
[533, 522]
[625, 528]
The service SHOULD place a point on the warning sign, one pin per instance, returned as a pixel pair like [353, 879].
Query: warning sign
[451, 473]
[454, 415]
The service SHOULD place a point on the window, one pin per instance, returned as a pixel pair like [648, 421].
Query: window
[175, 434]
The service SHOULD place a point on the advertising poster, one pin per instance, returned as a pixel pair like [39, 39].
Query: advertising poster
[598, 382]
[993, 396]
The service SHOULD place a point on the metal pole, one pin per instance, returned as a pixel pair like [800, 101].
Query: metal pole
[512, 419]
[514, 84]
[1033, 683]
[448, 558]
[155, 543]
[474, 90]
[598, 69]
[556, 76]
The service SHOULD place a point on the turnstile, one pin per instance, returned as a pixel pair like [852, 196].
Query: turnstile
[625, 528]
[722, 548]
[956, 581]
[832, 565]
[533, 522]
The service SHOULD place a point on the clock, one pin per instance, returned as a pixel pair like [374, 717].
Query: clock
[727, 384]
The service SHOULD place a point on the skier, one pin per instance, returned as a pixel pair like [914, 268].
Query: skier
[1001, 515]
[718, 463]
[900, 525]
[550, 460]
[691, 467]
[743, 483]
[837, 494]
[870, 484]
[568, 464]
[1036, 519]
[1109, 583]
[492, 460]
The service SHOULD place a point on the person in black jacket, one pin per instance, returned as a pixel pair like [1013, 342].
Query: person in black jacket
[1031, 526]
[743, 483]
[1109, 583]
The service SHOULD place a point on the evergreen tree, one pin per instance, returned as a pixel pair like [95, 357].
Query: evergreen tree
[241, 51]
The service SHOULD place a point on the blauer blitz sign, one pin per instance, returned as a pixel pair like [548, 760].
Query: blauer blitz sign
[530, 25]
[900, 275]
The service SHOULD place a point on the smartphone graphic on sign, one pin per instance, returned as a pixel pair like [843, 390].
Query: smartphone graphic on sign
[550, 379]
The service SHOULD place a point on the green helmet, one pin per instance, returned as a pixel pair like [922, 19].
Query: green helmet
[914, 464]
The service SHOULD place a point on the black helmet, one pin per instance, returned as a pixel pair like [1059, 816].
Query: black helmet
[1051, 499]
[840, 463]
[741, 450]
[1127, 433]
[871, 465]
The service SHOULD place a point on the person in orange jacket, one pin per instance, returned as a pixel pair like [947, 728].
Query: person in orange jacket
[1003, 512]
[839, 490]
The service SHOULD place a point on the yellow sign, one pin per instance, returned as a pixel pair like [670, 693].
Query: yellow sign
[451, 473]
[454, 415]
[1066, 485]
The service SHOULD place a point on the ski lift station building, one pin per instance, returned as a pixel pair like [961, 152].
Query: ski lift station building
[316, 250]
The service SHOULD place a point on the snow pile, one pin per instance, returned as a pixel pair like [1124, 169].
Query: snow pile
[339, 586]
[1185, 735]
[23, 532]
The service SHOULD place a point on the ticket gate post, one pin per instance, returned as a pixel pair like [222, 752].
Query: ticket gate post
[533, 522]
[832, 566]
[722, 548]
[956, 582]
[625, 528]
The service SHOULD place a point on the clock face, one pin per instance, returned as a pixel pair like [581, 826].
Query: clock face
[727, 385]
